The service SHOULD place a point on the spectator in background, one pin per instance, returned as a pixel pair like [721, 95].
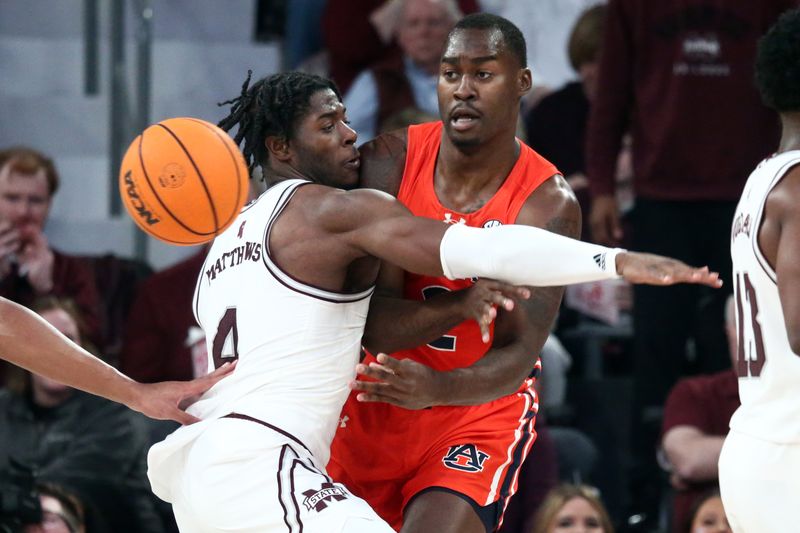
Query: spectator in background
[358, 33]
[708, 516]
[407, 83]
[677, 75]
[90, 446]
[696, 418]
[303, 37]
[546, 26]
[156, 345]
[572, 508]
[556, 126]
[29, 266]
[62, 512]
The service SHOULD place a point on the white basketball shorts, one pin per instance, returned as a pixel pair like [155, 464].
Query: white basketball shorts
[760, 484]
[241, 476]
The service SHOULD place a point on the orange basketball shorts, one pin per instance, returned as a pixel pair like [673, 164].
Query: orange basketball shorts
[387, 455]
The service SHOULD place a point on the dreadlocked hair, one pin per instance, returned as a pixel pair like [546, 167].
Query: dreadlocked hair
[272, 106]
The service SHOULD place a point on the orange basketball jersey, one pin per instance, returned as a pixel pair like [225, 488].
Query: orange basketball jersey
[462, 345]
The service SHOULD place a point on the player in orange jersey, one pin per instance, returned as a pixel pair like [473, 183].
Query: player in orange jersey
[462, 453]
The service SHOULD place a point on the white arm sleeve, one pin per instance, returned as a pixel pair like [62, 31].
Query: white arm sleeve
[524, 255]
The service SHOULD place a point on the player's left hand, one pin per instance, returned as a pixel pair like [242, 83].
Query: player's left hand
[401, 382]
[654, 269]
[167, 400]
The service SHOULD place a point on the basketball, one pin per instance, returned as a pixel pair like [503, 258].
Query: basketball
[183, 181]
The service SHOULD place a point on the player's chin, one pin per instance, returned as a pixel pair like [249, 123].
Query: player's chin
[463, 139]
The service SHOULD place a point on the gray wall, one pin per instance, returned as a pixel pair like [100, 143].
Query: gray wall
[201, 52]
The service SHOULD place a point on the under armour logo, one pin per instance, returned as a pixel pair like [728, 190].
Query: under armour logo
[600, 259]
[448, 219]
[343, 421]
[319, 499]
[465, 457]
[241, 229]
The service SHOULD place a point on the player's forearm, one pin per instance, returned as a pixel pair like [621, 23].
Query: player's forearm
[395, 324]
[695, 458]
[498, 373]
[28, 341]
[524, 255]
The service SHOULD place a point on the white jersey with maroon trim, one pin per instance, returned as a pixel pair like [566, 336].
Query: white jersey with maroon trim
[769, 372]
[297, 345]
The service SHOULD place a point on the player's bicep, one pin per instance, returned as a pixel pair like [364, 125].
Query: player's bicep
[553, 207]
[375, 224]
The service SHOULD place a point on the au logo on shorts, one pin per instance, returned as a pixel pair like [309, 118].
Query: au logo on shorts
[465, 457]
[319, 499]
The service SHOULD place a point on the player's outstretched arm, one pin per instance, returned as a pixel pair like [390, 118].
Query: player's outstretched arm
[28, 341]
[379, 225]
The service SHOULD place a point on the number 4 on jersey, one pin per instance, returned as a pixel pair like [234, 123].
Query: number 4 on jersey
[750, 356]
[225, 347]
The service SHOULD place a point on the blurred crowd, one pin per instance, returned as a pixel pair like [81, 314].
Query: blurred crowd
[650, 115]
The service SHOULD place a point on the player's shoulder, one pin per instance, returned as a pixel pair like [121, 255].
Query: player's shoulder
[553, 206]
[340, 210]
[383, 160]
[783, 197]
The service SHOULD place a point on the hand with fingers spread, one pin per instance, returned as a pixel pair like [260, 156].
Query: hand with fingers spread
[653, 269]
[480, 302]
[169, 399]
[401, 382]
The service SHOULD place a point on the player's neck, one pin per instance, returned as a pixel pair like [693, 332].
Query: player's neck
[790, 136]
[280, 172]
[474, 167]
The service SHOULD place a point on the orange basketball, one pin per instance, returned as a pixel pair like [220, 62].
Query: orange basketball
[183, 181]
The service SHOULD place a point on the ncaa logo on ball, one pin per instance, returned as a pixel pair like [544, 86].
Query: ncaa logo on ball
[172, 176]
[493, 223]
[142, 211]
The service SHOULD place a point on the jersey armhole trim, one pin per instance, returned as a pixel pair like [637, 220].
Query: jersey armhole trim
[286, 279]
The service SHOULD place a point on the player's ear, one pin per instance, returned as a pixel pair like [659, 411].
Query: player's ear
[525, 81]
[278, 147]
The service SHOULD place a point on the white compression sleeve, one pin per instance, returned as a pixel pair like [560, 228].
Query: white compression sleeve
[524, 255]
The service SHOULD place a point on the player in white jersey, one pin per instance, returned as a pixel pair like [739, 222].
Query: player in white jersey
[759, 467]
[285, 292]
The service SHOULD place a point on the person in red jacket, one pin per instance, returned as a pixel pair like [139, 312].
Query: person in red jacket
[678, 75]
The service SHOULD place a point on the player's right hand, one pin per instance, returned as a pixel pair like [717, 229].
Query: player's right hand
[651, 269]
[167, 400]
[480, 302]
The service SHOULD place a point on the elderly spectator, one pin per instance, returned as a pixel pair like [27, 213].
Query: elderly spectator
[396, 85]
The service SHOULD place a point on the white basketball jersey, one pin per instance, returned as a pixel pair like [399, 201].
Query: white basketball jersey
[769, 372]
[297, 345]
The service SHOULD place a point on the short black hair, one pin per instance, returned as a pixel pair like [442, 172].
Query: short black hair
[512, 37]
[272, 106]
[778, 64]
